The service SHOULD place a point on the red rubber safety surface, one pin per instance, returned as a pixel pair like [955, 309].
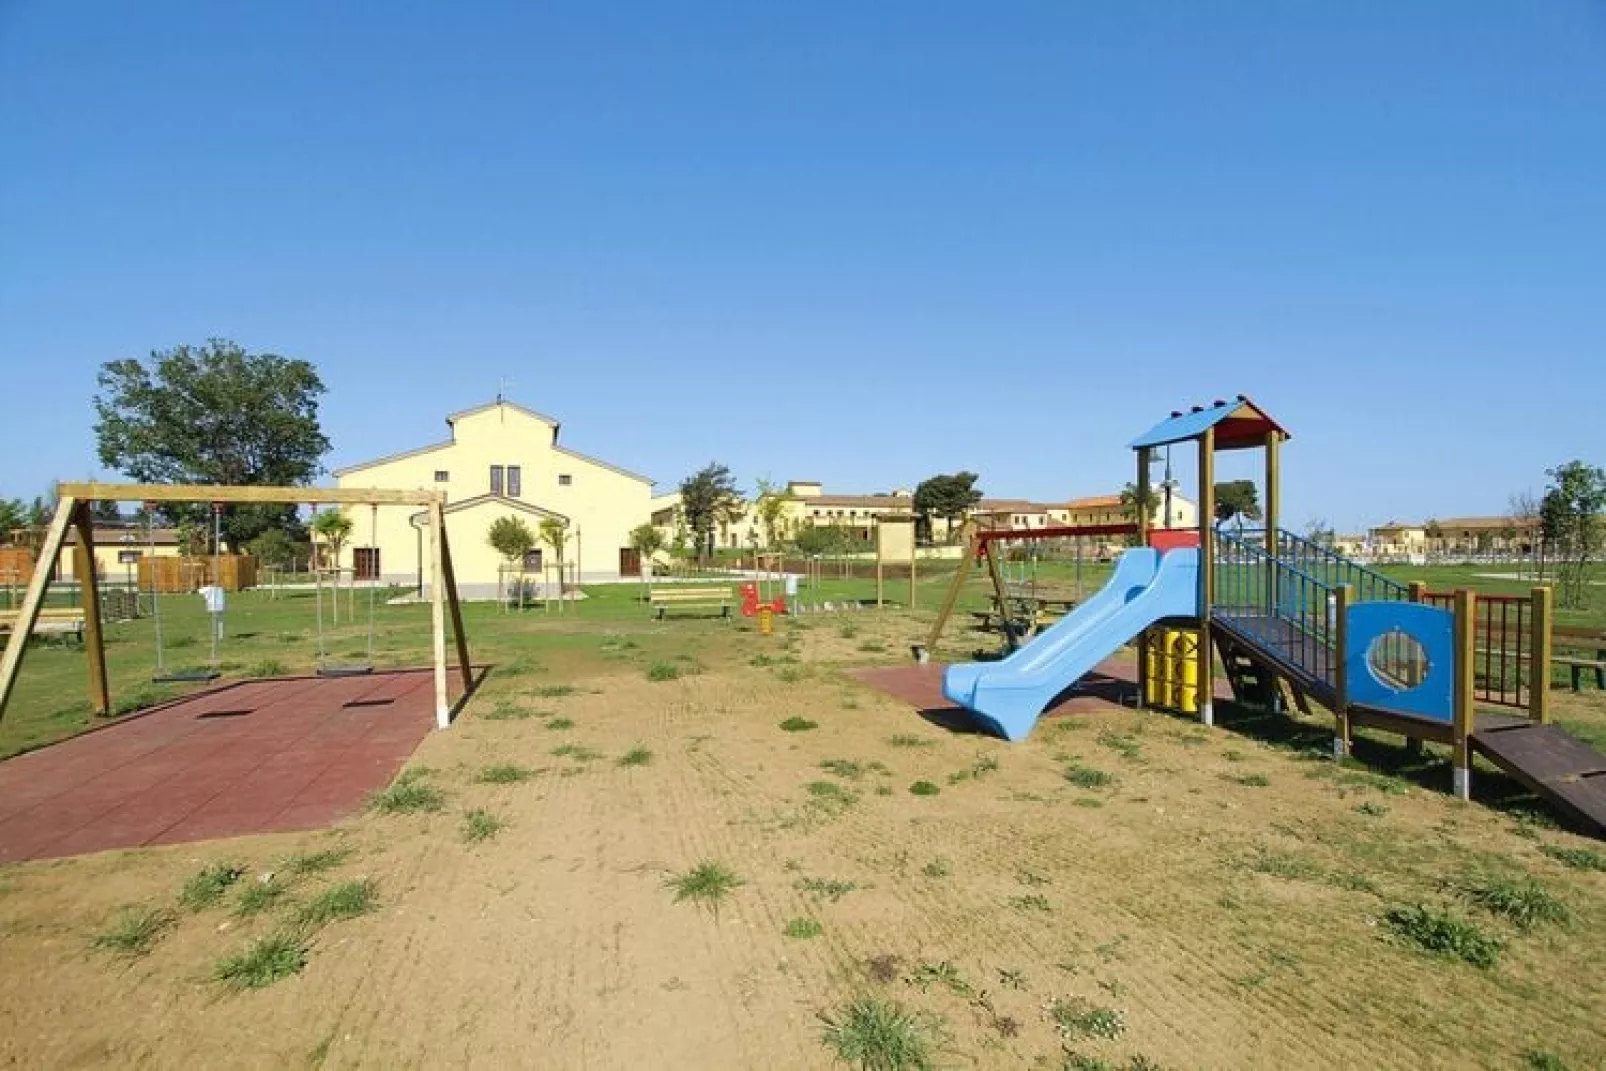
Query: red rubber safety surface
[252, 757]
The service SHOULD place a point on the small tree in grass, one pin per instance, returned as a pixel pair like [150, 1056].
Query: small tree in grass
[512, 539]
[1570, 516]
[334, 528]
[555, 534]
[771, 510]
[646, 541]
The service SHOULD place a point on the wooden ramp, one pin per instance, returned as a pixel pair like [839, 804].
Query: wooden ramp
[1556, 765]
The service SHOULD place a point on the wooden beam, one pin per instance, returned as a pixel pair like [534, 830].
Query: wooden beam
[1274, 491]
[320, 496]
[43, 571]
[1001, 593]
[1142, 503]
[1466, 683]
[449, 575]
[1341, 739]
[88, 585]
[1539, 652]
[437, 615]
[1207, 575]
[967, 533]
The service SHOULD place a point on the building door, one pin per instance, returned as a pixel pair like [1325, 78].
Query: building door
[629, 561]
[365, 562]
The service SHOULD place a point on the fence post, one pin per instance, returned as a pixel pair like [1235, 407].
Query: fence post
[1341, 741]
[1466, 656]
[1415, 670]
[1539, 653]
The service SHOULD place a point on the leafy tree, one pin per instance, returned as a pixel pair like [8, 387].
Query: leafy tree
[646, 541]
[334, 528]
[1318, 531]
[1525, 517]
[13, 515]
[105, 512]
[275, 547]
[829, 539]
[555, 534]
[1570, 516]
[41, 509]
[1237, 498]
[511, 538]
[1136, 506]
[709, 498]
[771, 510]
[949, 496]
[213, 414]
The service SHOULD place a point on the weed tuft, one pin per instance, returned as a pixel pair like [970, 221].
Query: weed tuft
[879, 1035]
[553, 691]
[1031, 902]
[559, 724]
[1577, 858]
[843, 768]
[831, 888]
[937, 868]
[1525, 904]
[304, 863]
[640, 755]
[1088, 777]
[924, 788]
[1077, 1017]
[410, 793]
[505, 773]
[348, 900]
[134, 932]
[480, 825]
[708, 884]
[796, 724]
[577, 752]
[802, 928]
[258, 896]
[207, 885]
[663, 671]
[1445, 934]
[909, 740]
[265, 961]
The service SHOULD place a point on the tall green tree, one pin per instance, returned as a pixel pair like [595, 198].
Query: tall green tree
[770, 506]
[213, 414]
[1237, 498]
[948, 496]
[13, 515]
[1571, 519]
[708, 498]
[1135, 505]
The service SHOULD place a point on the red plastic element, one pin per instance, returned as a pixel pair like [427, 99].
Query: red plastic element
[749, 593]
[1164, 539]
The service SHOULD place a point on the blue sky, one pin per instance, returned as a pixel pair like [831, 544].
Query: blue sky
[858, 243]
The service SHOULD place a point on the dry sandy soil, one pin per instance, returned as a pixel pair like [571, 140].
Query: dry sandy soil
[1225, 896]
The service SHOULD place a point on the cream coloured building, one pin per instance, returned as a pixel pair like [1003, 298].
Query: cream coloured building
[501, 460]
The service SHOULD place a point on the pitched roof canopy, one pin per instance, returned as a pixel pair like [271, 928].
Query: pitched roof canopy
[1238, 424]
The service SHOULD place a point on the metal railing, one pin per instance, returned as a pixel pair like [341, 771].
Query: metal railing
[1327, 565]
[1287, 611]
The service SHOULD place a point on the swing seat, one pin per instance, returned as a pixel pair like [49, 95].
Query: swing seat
[200, 676]
[354, 670]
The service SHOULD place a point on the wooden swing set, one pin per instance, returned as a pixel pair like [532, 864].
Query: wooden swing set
[1019, 615]
[73, 502]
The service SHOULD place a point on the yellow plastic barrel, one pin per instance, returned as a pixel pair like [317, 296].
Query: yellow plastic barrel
[766, 620]
[1155, 685]
[1185, 683]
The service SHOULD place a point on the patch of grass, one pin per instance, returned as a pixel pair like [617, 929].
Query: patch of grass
[1444, 934]
[829, 888]
[1011, 977]
[1283, 865]
[1088, 777]
[909, 740]
[348, 900]
[796, 724]
[831, 794]
[984, 764]
[410, 793]
[1031, 902]
[560, 724]
[789, 674]
[508, 710]
[1076, 1018]
[518, 667]
[1253, 780]
[639, 755]
[1371, 809]
[505, 773]
[1540, 1060]
[663, 671]
[1124, 744]
[577, 752]
[802, 928]
[761, 660]
[708, 884]
[847, 632]
[304, 863]
[1577, 858]
[265, 961]
[139, 699]
[134, 932]
[268, 667]
[480, 825]
[937, 868]
[207, 885]
[872, 647]
[552, 691]
[945, 974]
[844, 768]
[924, 788]
[878, 1035]
[1525, 904]
[1090, 802]
[258, 896]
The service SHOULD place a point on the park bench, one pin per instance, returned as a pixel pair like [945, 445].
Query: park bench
[1572, 647]
[690, 597]
[53, 620]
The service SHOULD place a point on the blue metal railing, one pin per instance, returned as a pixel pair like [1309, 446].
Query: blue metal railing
[1287, 611]
[1330, 567]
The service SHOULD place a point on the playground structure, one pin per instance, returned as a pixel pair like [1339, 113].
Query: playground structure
[1296, 622]
[73, 511]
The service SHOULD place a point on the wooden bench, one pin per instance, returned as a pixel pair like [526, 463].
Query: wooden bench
[1571, 647]
[691, 597]
[53, 620]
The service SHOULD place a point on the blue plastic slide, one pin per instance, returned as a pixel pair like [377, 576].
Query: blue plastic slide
[1008, 696]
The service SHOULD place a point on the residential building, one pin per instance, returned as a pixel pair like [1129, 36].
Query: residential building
[118, 551]
[501, 460]
[1456, 535]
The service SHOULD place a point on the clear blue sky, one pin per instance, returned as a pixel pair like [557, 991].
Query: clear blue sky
[859, 243]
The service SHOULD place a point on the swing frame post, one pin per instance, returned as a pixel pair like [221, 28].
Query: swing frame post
[70, 496]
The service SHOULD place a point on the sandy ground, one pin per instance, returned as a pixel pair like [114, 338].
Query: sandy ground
[1223, 895]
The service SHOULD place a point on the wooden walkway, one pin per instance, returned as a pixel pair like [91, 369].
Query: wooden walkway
[1556, 765]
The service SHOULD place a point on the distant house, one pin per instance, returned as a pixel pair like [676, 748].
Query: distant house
[1456, 535]
[502, 460]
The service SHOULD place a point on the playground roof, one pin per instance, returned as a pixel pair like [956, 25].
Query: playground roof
[1239, 423]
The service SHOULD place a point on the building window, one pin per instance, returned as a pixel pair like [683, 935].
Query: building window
[442, 476]
[515, 481]
[496, 479]
[565, 480]
[532, 559]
